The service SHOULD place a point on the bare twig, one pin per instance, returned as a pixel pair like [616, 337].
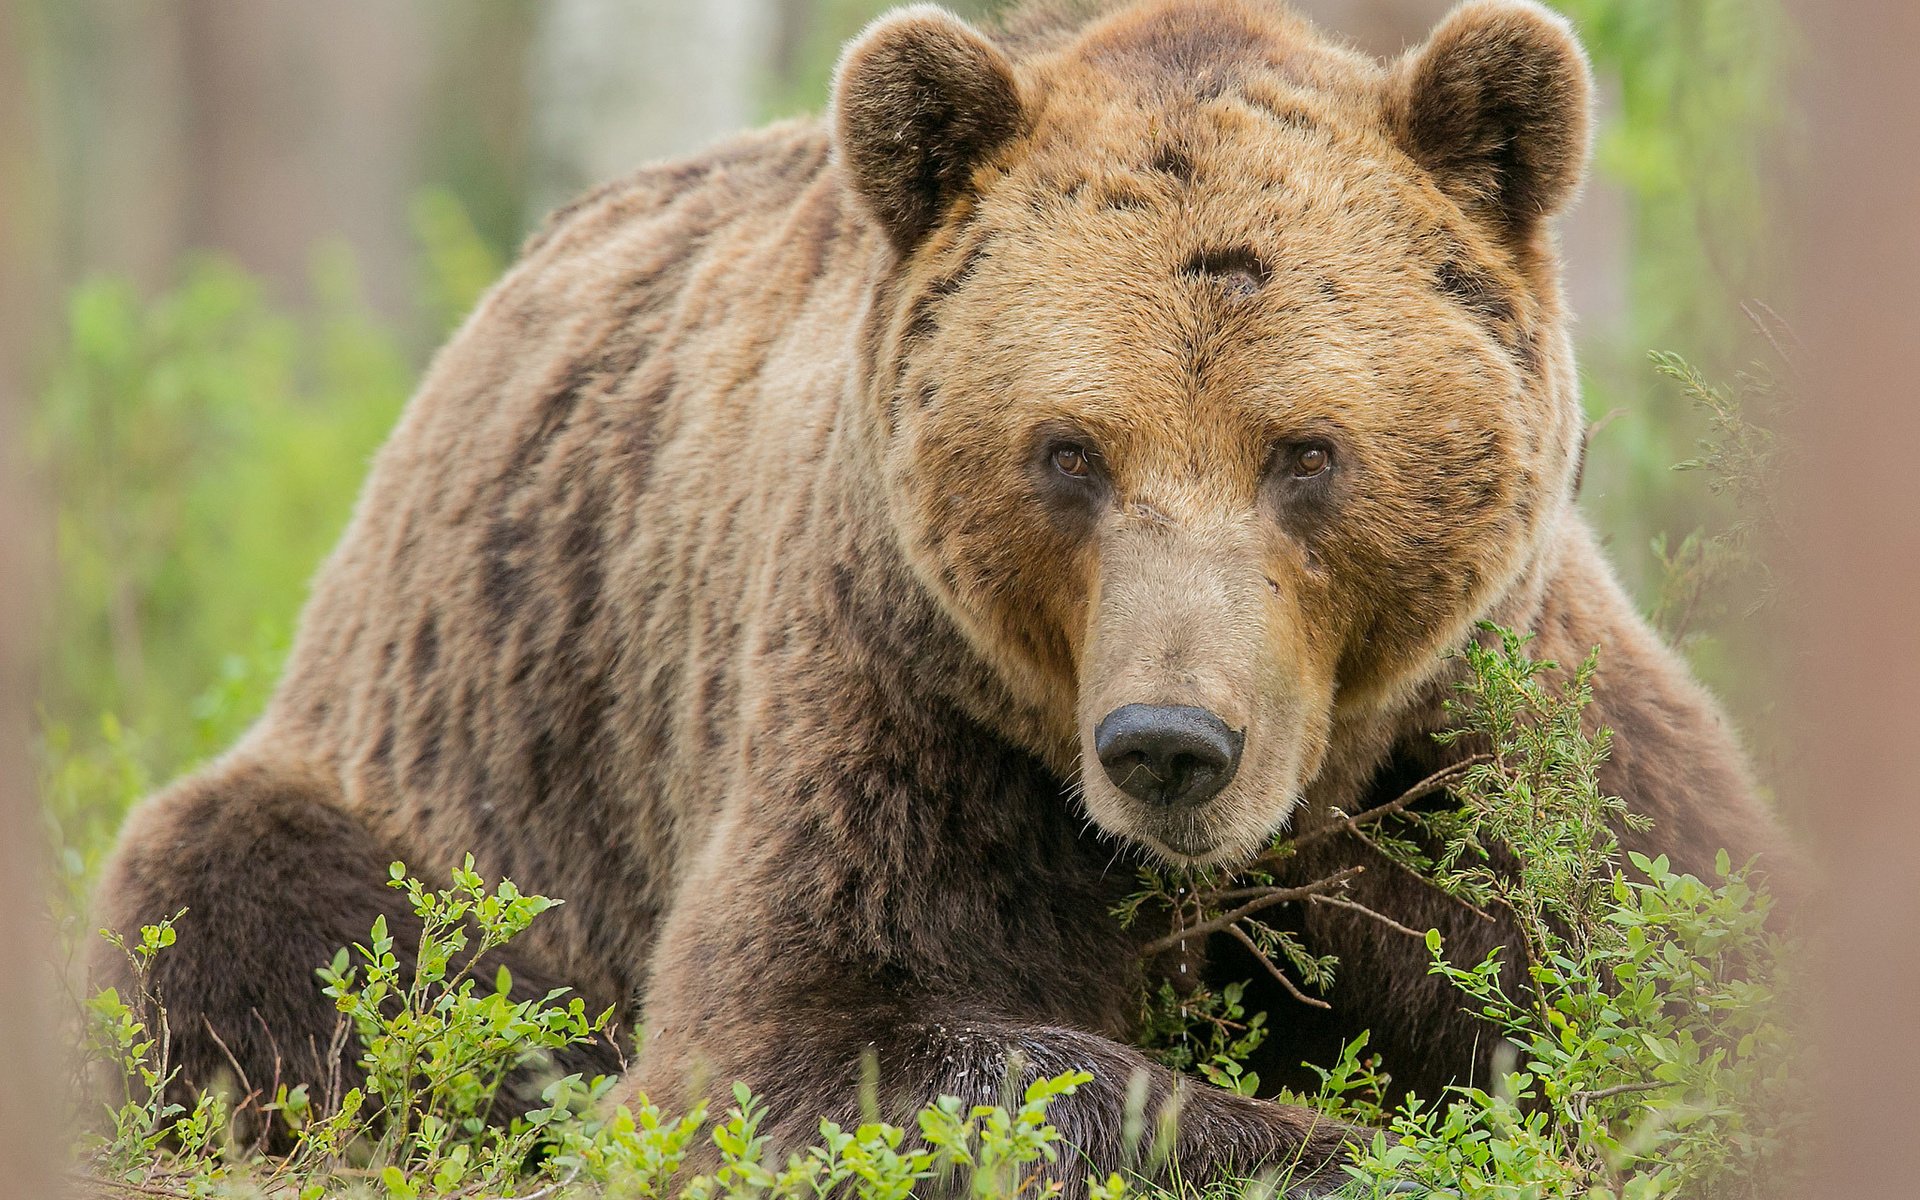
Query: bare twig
[1275, 971]
[1605, 419]
[248, 1093]
[138, 1189]
[1619, 1089]
[1532, 979]
[273, 1089]
[336, 1050]
[1269, 898]
[1363, 910]
[1377, 848]
[1771, 326]
[246, 1085]
[1419, 791]
[553, 1188]
[1233, 895]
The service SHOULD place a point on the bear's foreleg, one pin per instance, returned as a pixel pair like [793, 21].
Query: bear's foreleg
[745, 998]
[274, 877]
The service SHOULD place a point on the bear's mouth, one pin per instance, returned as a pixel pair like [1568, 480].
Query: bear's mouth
[1182, 842]
[1191, 846]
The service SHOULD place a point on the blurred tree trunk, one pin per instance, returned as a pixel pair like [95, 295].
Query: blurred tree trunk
[113, 87]
[618, 83]
[1855, 705]
[29, 1134]
[255, 127]
[306, 127]
[1380, 27]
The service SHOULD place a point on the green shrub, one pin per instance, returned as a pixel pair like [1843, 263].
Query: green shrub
[1650, 1031]
[1647, 1031]
[437, 1046]
[125, 1040]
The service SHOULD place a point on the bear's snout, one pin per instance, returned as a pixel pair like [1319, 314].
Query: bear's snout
[1167, 754]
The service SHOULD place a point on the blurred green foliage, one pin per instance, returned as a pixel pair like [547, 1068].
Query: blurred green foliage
[477, 143]
[1695, 121]
[204, 448]
[1694, 118]
[1694, 105]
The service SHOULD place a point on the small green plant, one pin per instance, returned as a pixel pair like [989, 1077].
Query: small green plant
[1206, 1032]
[1199, 902]
[1647, 1038]
[1531, 830]
[1645, 1035]
[1658, 1066]
[996, 1153]
[126, 1039]
[439, 1045]
[439, 1037]
[1191, 1027]
[1739, 459]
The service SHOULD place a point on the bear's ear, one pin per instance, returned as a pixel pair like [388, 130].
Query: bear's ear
[918, 100]
[1497, 106]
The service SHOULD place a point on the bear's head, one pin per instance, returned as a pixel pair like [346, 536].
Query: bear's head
[1219, 374]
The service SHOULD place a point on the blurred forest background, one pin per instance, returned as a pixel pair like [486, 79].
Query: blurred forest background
[248, 223]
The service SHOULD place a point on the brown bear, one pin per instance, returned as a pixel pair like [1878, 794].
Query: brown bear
[825, 561]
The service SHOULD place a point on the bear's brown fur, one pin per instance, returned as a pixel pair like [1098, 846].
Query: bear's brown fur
[757, 566]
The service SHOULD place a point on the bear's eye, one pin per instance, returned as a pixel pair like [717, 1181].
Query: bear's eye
[1308, 460]
[1073, 461]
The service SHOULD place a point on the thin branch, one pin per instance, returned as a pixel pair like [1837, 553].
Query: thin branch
[1275, 971]
[1619, 1089]
[1363, 910]
[1771, 325]
[248, 1091]
[139, 1189]
[207, 1023]
[1271, 897]
[1244, 893]
[1605, 419]
[266, 1125]
[1419, 791]
[554, 1187]
[1533, 963]
[1377, 848]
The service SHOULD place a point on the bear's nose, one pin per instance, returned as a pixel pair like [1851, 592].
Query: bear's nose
[1166, 754]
